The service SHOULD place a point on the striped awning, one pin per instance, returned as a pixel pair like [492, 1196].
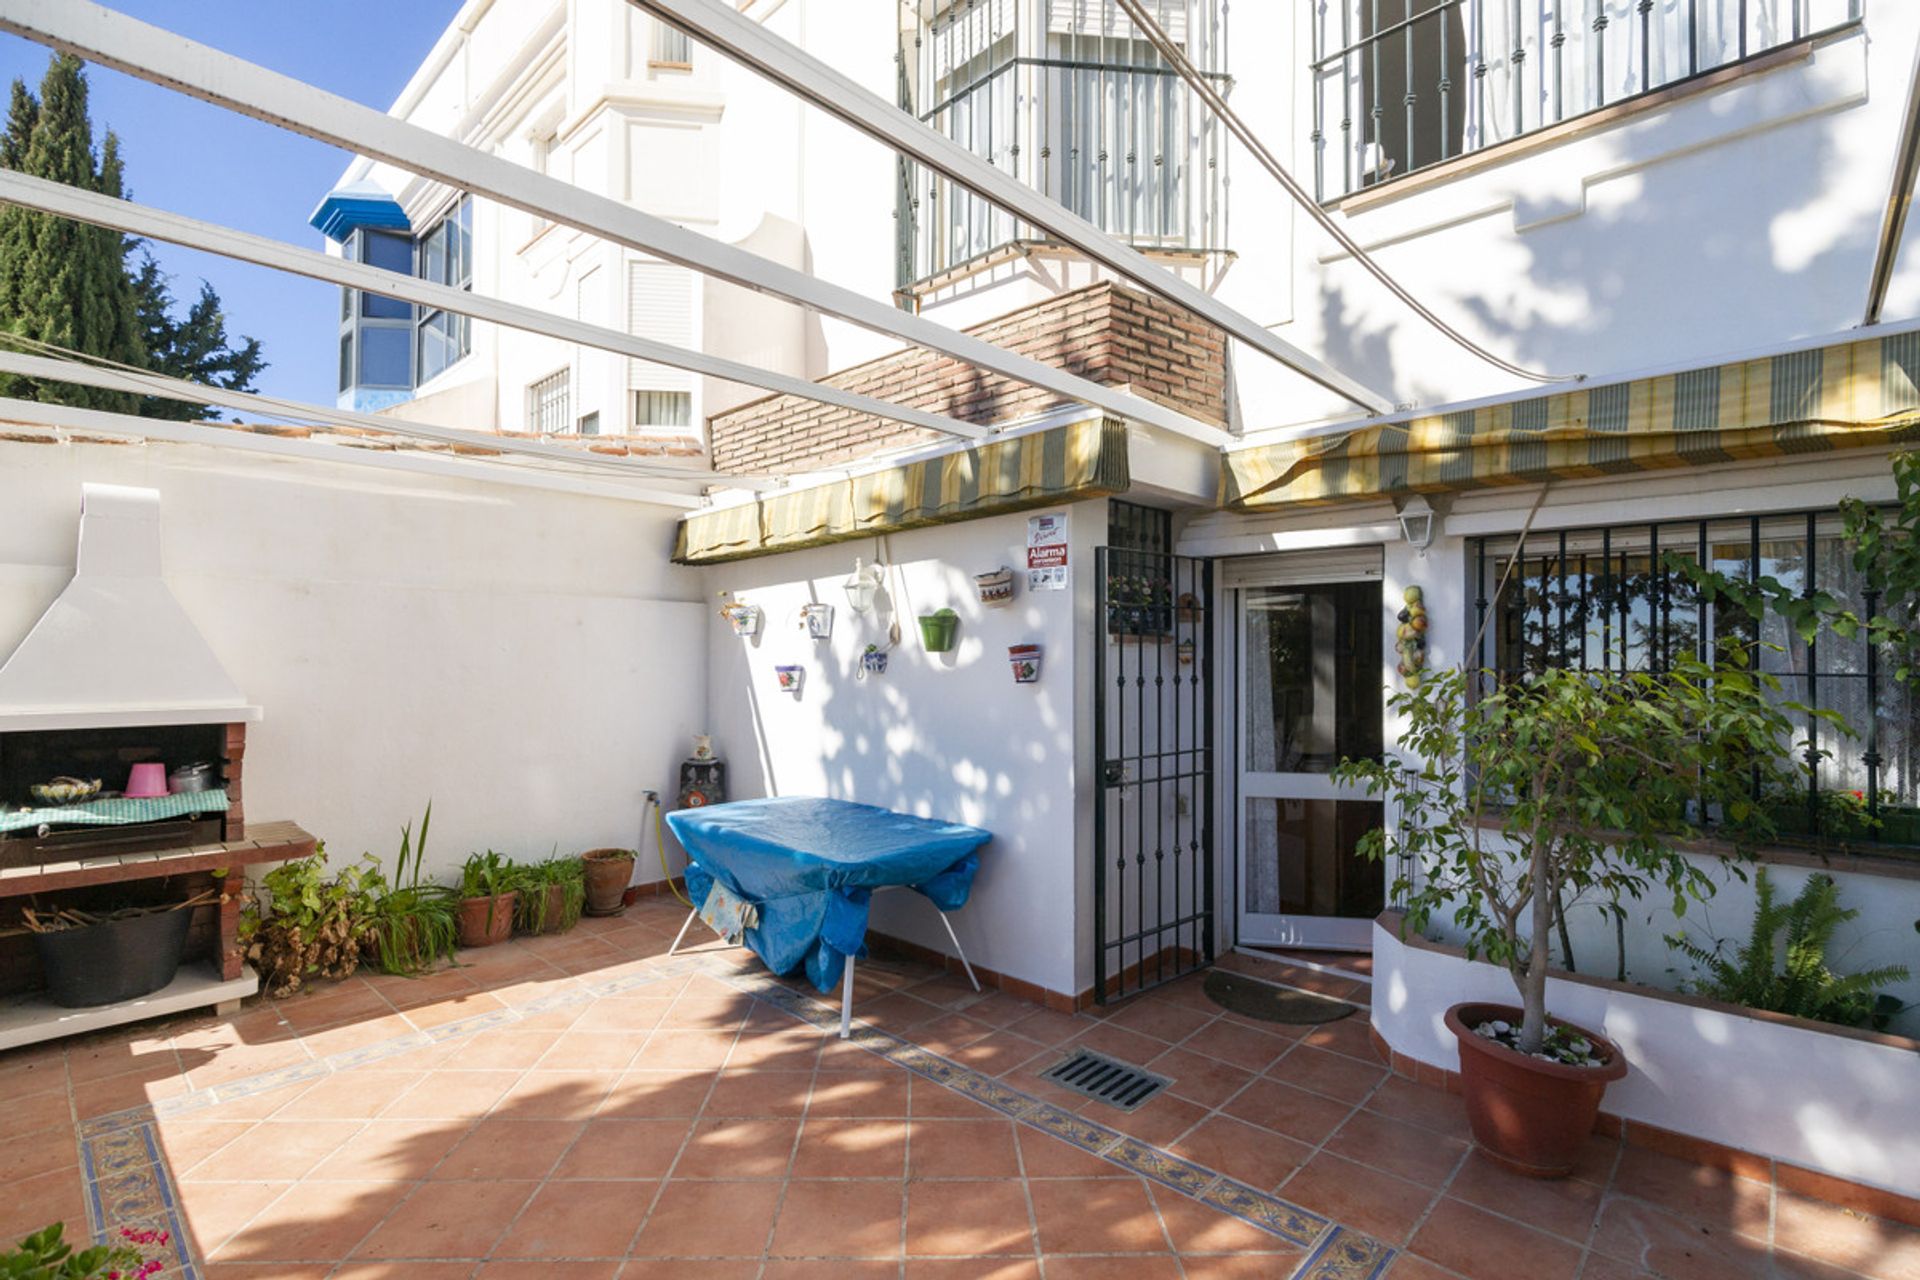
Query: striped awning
[1853, 394]
[1082, 460]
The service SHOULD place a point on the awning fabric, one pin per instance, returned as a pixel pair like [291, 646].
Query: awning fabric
[1082, 460]
[1853, 394]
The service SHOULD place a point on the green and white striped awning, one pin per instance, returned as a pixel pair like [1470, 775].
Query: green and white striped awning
[1081, 460]
[1850, 395]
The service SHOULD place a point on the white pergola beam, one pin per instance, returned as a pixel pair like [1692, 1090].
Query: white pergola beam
[753, 46]
[145, 383]
[158, 224]
[162, 57]
[66, 417]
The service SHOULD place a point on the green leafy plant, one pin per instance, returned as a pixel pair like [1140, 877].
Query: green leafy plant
[303, 923]
[534, 910]
[415, 921]
[1567, 783]
[1796, 981]
[488, 875]
[45, 1255]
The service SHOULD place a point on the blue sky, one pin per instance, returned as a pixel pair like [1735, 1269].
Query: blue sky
[195, 159]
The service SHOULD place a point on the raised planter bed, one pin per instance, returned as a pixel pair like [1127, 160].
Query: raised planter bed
[1839, 1101]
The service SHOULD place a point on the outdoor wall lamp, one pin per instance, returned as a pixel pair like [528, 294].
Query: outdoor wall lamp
[863, 586]
[1416, 522]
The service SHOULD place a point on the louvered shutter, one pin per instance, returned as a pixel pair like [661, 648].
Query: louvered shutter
[659, 306]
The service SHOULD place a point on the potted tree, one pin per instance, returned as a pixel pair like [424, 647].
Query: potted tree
[487, 883]
[1566, 783]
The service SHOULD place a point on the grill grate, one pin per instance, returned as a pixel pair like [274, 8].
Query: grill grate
[1109, 1080]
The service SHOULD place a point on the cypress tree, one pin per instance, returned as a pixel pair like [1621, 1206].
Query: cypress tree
[66, 283]
[71, 285]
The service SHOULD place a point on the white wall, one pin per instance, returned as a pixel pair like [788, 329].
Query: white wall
[942, 735]
[1844, 1105]
[526, 660]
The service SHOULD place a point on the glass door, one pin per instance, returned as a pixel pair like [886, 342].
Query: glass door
[1310, 684]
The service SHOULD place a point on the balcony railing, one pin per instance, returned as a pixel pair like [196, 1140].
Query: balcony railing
[1076, 107]
[1399, 85]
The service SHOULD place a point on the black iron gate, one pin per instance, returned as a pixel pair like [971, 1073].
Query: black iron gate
[1153, 878]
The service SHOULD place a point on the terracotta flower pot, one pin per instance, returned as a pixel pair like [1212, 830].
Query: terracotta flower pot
[608, 871]
[485, 921]
[1530, 1115]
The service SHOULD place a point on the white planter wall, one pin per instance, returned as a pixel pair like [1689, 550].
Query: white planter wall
[1837, 1103]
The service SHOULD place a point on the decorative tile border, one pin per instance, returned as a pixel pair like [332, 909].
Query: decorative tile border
[1338, 1253]
[129, 1183]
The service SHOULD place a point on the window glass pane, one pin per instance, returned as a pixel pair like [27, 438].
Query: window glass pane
[1313, 694]
[386, 357]
[387, 251]
[346, 360]
[377, 307]
[1300, 858]
[662, 409]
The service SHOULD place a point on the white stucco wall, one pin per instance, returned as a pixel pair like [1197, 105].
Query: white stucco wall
[526, 660]
[942, 735]
[1843, 1105]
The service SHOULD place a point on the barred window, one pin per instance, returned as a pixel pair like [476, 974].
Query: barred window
[1604, 599]
[1399, 85]
[547, 401]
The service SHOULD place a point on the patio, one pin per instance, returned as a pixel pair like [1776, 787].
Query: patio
[583, 1106]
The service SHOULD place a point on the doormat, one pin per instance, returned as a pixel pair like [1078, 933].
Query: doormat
[1254, 999]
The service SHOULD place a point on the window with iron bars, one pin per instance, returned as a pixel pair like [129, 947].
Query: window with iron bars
[1139, 588]
[1067, 97]
[1607, 599]
[1399, 85]
[547, 404]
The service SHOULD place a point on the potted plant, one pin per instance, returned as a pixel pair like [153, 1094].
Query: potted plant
[415, 922]
[608, 871]
[46, 1255]
[1569, 782]
[487, 884]
[304, 924]
[93, 958]
[937, 628]
[552, 894]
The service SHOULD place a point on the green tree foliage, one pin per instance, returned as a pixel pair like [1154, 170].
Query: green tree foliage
[63, 282]
[71, 285]
[194, 347]
[1798, 982]
[1568, 783]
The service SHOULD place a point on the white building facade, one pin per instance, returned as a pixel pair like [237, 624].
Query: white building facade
[1679, 202]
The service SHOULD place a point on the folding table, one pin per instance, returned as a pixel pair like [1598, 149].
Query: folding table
[811, 866]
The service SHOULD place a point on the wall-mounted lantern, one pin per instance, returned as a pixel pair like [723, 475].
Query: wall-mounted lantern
[863, 586]
[1416, 522]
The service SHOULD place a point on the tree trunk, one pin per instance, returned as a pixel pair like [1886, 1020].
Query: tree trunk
[1533, 991]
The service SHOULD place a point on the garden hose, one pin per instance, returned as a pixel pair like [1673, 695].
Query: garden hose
[660, 842]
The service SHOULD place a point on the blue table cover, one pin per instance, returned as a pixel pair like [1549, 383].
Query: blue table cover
[811, 866]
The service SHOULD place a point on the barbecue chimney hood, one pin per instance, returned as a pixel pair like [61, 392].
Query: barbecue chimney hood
[116, 649]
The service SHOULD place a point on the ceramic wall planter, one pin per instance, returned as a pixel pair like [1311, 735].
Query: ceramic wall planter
[937, 630]
[995, 587]
[873, 662]
[743, 618]
[817, 619]
[1026, 663]
[790, 678]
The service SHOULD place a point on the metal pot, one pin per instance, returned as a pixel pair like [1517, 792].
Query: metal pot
[191, 777]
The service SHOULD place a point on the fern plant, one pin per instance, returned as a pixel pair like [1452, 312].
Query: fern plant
[1799, 982]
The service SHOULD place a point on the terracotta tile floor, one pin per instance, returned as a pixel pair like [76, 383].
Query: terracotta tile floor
[680, 1127]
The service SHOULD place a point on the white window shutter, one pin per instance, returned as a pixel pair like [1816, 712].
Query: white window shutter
[659, 306]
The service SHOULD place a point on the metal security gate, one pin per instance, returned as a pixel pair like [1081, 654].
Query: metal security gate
[1153, 878]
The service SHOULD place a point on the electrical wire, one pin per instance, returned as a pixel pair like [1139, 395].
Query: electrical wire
[1177, 59]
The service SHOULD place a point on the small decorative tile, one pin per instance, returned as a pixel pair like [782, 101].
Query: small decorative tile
[1346, 1255]
[1172, 1171]
[472, 1026]
[1068, 1127]
[268, 1081]
[1289, 1222]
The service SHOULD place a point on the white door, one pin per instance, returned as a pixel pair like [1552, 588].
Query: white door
[1311, 693]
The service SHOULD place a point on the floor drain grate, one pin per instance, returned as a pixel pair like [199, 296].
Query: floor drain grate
[1117, 1083]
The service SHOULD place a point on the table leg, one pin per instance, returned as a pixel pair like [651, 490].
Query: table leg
[688, 924]
[957, 948]
[846, 1000]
